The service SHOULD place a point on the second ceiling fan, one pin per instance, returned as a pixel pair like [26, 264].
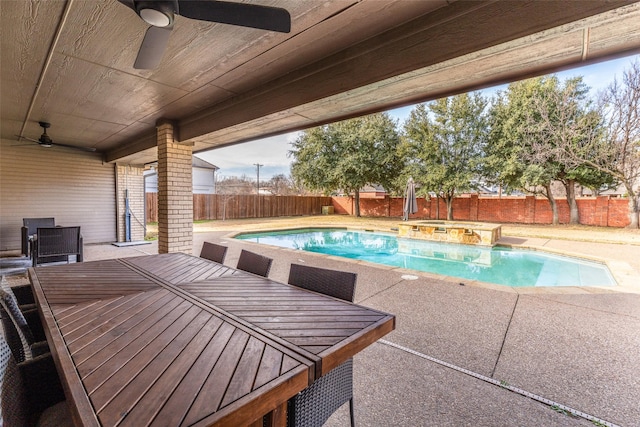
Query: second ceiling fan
[46, 141]
[161, 14]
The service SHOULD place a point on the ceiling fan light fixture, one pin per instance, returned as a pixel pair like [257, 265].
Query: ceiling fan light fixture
[157, 18]
[160, 14]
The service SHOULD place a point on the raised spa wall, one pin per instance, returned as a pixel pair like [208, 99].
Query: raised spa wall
[470, 233]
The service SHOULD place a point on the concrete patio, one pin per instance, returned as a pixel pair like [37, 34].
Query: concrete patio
[467, 353]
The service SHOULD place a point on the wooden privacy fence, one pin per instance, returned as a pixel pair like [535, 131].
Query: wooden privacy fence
[601, 211]
[227, 206]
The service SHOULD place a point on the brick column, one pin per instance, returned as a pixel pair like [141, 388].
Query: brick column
[175, 191]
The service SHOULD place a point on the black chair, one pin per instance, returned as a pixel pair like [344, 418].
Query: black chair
[22, 293]
[339, 284]
[22, 330]
[315, 404]
[213, 252]
[54, 244]
[31, 392]
[30, 227]
[254, 263]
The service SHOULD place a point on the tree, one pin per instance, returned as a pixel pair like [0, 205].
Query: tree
[529, 125]
[280, 184]
[444, 145]
[564, 122]
[348, 155]
[616, 150]
[235, 185]
[229, 187]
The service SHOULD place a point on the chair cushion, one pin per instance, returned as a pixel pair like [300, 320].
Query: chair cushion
[10, 305]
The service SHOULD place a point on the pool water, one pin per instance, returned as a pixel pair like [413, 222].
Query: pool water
[500, 265]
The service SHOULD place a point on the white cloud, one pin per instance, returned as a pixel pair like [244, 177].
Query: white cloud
[240, 159]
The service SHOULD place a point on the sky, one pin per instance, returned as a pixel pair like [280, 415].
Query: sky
[272, 153]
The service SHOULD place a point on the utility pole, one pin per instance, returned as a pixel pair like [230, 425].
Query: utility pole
[258, 165]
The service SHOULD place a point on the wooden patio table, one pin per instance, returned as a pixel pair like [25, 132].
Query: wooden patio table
[163, 340]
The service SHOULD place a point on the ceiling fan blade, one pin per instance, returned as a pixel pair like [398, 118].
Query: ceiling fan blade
[29, 145]
[28, 139]
[152, 48]
[75, 147]
[242, 14]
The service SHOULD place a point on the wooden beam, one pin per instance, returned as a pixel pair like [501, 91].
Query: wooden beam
[459, 29]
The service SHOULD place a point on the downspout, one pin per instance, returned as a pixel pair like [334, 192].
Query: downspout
[144, 202]
[127, 210]
[127, 217]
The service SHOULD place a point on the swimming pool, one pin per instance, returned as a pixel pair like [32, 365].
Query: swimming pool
[500, 265]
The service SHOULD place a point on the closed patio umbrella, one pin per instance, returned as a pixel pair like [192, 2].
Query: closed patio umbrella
[410, 202]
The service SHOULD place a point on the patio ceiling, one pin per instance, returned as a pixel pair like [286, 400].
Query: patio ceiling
[71, 63]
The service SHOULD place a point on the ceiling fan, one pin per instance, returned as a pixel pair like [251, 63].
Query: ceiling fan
[161, 14]
[46, 141]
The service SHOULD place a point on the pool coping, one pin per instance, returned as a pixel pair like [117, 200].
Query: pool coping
[625, 276]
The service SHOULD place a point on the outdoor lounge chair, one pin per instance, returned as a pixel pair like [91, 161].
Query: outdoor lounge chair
[31, 393]
[54, 244]
[213, 252]
[23, 331]
[30, 227]
[315, 404]
[254, 263]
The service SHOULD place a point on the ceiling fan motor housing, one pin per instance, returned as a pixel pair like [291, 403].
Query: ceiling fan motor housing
[45, 140]
[157, 13]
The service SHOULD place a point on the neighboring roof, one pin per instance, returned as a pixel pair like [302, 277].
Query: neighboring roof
[372, 188]
[196, 162]
[199, 163]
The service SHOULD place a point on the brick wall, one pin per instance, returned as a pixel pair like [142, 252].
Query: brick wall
[600, 211]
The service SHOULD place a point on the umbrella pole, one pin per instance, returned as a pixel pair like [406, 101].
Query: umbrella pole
[404, 205]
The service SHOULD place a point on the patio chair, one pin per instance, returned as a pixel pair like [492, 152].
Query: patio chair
[254, 263]
[23, 331]
[315, 404]
[338, 284]
[54, 244]
[30, 227]
[31, 392]
[213, 252]
[22, 293]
